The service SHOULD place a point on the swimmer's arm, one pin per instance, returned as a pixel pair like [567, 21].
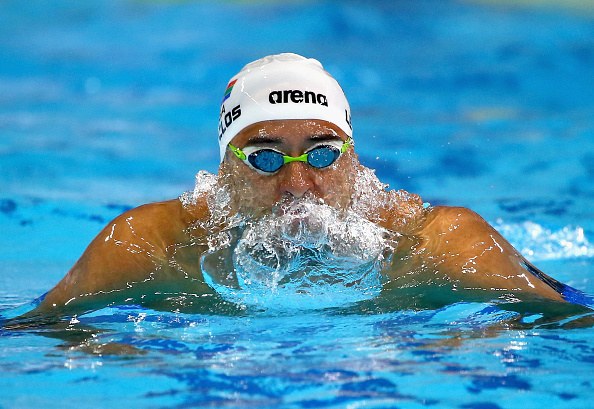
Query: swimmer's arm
[457, 248]
[129, 261]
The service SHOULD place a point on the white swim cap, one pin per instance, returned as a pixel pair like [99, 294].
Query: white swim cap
[282, 86]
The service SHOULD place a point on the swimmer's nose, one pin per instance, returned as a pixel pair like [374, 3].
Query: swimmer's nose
[296, 179]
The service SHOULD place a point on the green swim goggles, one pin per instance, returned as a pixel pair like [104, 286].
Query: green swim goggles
[268, 160]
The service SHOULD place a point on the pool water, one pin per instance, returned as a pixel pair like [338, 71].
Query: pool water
[108, 105]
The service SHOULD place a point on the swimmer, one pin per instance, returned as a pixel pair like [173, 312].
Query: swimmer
[288, 165]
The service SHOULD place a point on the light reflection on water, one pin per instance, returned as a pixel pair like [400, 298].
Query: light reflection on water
[322, 358]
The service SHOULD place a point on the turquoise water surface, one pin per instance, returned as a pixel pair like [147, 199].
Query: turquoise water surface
[110, 104]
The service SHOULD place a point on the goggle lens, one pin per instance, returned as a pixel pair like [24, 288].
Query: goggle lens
[322, 156]
[266, 160]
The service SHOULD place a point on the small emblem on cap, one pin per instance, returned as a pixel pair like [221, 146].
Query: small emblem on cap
[228, 90]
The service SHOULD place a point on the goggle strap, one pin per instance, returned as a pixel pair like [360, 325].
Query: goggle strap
[238, 152]
[346, 145]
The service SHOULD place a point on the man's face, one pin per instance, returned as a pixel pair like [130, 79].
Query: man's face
[255, 194]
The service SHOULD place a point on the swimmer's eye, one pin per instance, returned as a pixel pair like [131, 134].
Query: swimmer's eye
[266, 160]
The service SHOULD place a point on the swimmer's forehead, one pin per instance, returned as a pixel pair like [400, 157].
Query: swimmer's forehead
[279, 132]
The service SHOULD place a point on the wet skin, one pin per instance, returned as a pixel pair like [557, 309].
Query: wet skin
[150, 255]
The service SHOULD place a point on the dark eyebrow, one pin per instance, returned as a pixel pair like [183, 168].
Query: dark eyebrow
[324, 137]
[270, 140]
[262, 140]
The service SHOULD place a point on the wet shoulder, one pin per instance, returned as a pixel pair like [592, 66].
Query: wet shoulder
[160, 223]
[447, 218]
[173, 210]
[456, 229]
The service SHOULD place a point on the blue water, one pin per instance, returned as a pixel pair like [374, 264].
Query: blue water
[108, 105]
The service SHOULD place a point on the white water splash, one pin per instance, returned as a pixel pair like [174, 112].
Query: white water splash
[304, 255]
[205, 183]
[218, 198]
[539, 243]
